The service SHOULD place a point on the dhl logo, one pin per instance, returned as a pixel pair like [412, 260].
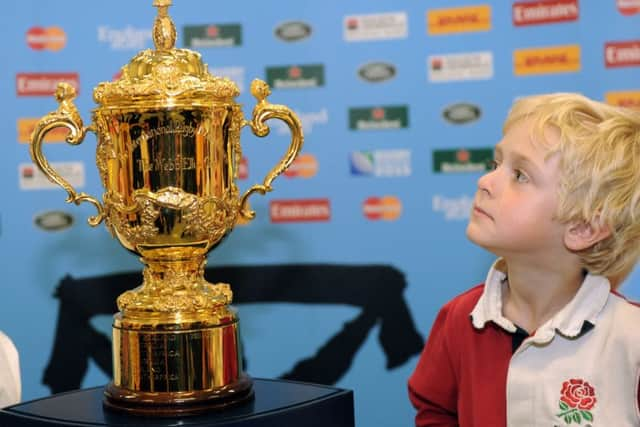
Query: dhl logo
[386, 208]
[50, 38]
[555, 59]
[25, 128]
[459, 20]
[304, 166]
[627, 99]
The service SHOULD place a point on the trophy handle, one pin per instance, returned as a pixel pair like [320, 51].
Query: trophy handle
[65, 116]
[262, 112]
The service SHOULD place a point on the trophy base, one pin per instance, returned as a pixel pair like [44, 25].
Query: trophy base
[172, 404]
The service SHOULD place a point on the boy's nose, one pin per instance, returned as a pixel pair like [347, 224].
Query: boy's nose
[485, 182]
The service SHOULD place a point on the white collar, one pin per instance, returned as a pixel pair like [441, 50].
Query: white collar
[586, 305]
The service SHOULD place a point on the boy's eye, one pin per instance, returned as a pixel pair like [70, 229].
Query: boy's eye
[520, 177]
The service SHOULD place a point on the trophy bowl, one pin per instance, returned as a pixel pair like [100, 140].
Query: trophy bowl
[168, 153]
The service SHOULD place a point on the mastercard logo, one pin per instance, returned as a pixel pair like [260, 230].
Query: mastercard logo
[304, 166]
[50, 38]
[385, 208]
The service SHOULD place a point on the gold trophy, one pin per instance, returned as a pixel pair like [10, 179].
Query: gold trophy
[168, 151]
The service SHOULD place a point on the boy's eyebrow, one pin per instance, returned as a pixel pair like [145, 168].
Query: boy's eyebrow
[517, 157]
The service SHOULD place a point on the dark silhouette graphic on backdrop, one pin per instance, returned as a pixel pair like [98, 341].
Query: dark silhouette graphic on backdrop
[376, 289]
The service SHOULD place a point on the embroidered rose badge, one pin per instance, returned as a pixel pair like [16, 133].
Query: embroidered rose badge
[577, 398]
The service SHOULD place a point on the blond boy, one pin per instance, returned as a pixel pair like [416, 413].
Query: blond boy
[545, 341]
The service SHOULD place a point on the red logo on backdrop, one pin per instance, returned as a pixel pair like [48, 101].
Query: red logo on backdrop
[295, 72]
[301, 210]
[622, 54]
[304, 166]
[628, 7]
[212, 31]
[243, 168]
[378, 113]
[463, 156]
[386, 208]
[40, 38]
[544, 12]
[44, 84]
[352, 23]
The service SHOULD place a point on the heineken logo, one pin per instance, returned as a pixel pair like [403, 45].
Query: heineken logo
[375, 118]
[293, 31]
[213, 35]
[462, 160]
[295, 76]
[461, 113]
[376, 72]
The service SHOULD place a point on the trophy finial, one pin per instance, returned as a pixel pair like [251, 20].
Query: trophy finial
[164, 32]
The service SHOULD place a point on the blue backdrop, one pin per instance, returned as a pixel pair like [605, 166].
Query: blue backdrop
[401, 103]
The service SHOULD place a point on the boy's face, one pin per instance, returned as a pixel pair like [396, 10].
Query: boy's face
[515, 202]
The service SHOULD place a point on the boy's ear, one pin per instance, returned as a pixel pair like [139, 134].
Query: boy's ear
[583, 235]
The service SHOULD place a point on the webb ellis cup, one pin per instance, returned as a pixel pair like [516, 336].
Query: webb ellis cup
[168, 151]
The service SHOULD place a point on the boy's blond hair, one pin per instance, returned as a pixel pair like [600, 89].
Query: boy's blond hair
[599, 149]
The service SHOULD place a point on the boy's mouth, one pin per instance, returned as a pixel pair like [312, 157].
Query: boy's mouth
[481, 212]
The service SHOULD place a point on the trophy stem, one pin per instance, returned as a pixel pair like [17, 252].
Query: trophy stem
[176, 344]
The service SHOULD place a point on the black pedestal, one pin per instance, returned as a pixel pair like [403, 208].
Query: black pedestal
[276, 404]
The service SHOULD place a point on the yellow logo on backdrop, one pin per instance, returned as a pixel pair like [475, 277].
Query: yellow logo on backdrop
[548, 60]
[629, 99]
[25, 127]
[459, 19]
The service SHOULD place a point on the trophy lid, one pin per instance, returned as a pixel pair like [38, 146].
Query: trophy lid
[166, 76]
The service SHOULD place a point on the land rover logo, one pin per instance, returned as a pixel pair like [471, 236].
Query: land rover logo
[53, 220]
[461, 113]
[293, 31]
[376, 72]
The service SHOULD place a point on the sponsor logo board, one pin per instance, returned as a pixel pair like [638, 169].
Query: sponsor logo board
[46, 38]
[300, 210]
[295, 76]
[460, 66]
[30, 177]
[628, 7]
[384, 208]
[25, 128]
[376, 72]
[453, 208]
[304, 166]
[128, 38]
[461, 113]
[293, 31]
[546, 60]
[213, 35]
[462, 160]
[380, 26]
[459, 19]
[381, 163]
[627, 99]
[53, 220]
[544, 12]
[379, 118]
[622, 54]
[44, 84]
[309, 120]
